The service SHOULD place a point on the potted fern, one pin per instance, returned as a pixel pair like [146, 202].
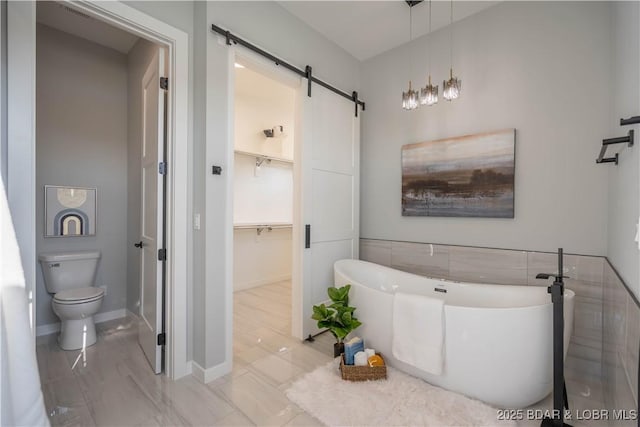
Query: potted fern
[338, 317]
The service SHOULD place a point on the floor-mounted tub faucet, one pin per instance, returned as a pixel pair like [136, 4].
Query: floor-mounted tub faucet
[560, 400]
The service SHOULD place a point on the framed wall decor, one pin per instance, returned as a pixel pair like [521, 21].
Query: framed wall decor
[69, 211]
[466, 176]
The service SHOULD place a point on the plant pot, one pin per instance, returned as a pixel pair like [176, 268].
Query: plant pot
[338, 349]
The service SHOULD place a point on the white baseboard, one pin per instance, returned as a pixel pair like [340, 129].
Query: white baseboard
[110, 315]
[98, 318]
[207, 375]
[132, 314]
[47, 329]
[261, 282]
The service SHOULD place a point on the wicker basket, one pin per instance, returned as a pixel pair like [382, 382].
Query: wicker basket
[362, 373]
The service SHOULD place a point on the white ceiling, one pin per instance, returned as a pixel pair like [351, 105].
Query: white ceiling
[63, 18]
[362, 28]
[368, 28]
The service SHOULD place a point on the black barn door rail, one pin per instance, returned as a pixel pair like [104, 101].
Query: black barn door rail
[306, 73]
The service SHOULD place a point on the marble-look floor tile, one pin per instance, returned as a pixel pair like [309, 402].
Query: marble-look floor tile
[579, 369]
[167, 417]
[120, 401]
[250, 355]
[262, 403]
[75, 416]
[306, 357]
[52, 362]
[304, 420]
[236, 418]
[64, 393]
[196, 403]
[275, 370]
[586, 389]
[323, 343]
[278, 343]
[254, 393]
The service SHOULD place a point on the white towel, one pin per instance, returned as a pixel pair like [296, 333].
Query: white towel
[360, 359]
[418, 331]
[22, 401]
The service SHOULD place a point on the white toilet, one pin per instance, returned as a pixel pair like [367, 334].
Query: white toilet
[70, 276]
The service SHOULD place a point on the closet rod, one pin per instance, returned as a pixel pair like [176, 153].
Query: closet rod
[303, 73]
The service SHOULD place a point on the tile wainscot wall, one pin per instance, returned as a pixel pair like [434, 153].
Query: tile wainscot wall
[602, 362]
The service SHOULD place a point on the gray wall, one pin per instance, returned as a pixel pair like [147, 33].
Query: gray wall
[539, 67]
[199, 329]
[623, 190]
[138, 60]
[3, 91]
[81, 128]
[621, 313]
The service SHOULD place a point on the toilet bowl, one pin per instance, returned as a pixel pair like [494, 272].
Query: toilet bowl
[69, 276]
[76, 308]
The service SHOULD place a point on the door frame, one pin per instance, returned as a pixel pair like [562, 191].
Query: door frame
[21, 109]
[268, 69]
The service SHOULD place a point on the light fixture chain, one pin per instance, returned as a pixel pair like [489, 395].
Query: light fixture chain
[410, 40]
[410, 24]
[451, 37]
[429, 43]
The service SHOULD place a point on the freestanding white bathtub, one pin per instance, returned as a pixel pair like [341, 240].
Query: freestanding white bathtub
[498, 338]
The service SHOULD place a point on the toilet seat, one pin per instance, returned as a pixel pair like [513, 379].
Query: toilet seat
[79, 295]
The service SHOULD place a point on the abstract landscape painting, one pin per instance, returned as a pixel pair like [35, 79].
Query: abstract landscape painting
[466, 176]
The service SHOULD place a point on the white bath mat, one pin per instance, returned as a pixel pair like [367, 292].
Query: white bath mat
[401, 400]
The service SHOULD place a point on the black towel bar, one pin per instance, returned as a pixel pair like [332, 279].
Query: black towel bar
[607, 142]
[630, 121]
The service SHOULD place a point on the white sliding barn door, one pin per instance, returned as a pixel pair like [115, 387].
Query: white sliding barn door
[330, 194]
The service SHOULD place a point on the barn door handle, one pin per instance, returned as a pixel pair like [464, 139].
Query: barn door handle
[307, 236]
[139, 244]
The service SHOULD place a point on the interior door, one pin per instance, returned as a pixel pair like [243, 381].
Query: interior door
[330, 193]
[151, 214]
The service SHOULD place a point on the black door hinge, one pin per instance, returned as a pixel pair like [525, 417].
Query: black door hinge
[307, 236]
[162, 254]
[162, 168]
[164, 83]
[162, 339]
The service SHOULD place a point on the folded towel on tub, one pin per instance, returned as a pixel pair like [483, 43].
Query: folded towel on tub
[418, 331]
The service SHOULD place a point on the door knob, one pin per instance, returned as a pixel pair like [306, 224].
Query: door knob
[138, 245]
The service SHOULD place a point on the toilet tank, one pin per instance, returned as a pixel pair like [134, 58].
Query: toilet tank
[68, 270]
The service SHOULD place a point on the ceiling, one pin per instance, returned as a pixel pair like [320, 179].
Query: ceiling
[63, 18]
[368, 28]
[362, 28]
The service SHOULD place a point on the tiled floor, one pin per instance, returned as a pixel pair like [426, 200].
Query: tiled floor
[117, 387]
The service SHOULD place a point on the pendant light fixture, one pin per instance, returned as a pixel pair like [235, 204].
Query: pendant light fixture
[410, 97]
[451, 87]
[429, 93]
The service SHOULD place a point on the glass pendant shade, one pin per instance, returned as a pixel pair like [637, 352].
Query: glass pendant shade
[410, 99]
[429, 94]
[451, 87]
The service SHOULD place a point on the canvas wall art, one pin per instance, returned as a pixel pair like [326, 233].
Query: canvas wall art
[466, 176]
[69, 211]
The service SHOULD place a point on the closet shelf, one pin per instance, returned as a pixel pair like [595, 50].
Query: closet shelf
[262, 157]
[261, 227]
